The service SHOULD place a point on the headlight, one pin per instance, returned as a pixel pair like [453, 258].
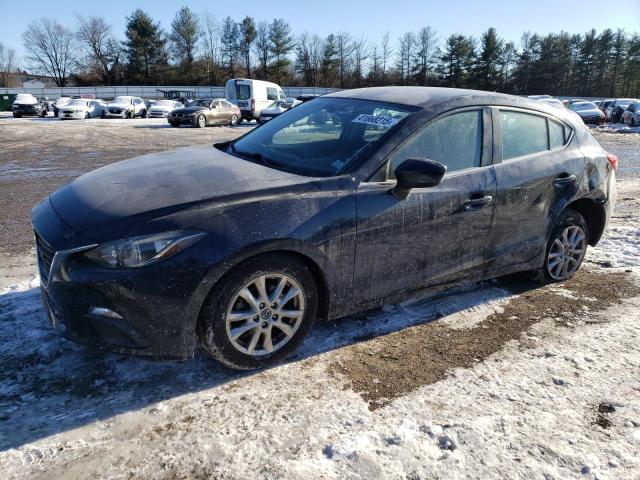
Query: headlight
[138, 251]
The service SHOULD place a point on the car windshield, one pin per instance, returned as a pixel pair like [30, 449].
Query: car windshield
[122, 100]
[321, 138]
[583, 106]
[25, 97]
[200, 103]
[164, 103]
[78, 102]
[623, 103]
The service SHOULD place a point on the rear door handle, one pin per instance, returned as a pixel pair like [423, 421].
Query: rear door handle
[477, 203]
[561, 181]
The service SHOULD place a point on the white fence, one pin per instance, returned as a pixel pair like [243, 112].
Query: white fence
[146, 91]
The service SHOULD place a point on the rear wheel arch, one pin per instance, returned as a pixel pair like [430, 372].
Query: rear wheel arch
[595, 216]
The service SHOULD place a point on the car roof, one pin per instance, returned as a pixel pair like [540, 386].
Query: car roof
[440, 99]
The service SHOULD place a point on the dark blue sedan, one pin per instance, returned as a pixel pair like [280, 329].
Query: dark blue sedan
[342, 204]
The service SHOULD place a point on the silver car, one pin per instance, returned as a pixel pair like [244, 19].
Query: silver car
[161, 108]
[82, 108]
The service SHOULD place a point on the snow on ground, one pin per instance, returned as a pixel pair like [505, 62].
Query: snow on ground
[615, 128]
[562, 400]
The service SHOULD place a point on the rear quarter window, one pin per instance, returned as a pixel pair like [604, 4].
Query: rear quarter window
[558, 135]
[522, 134]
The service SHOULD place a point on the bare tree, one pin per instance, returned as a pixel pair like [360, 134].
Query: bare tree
[8, 65]
[344, 49]
[406, 43]
[51, 48]
[426, 43]
[386, 52]
[101, 47]
[309, 58]
[262, 46]
[211, 47]
[360, 55]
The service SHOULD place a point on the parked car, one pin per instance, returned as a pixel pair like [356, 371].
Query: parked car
[618, 107]
[161, 108]
[205, 112]
[252, 96]
[589, 112]
[126, 107]
[305, 97]
[83, 108]
[277, 108]
[631, 116]
[26, 105]
[604, 106]
[60, 102]
[241, 246]
[554, 102]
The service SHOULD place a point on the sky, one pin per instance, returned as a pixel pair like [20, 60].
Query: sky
[369, 19]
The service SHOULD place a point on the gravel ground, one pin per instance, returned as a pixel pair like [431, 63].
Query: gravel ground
[39, 155]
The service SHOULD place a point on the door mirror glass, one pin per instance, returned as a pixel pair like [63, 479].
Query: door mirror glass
[419, 173]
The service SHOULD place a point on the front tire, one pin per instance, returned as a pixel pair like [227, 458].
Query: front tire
[260, 313]
[174, 124]
[566, 248]
[143, 114]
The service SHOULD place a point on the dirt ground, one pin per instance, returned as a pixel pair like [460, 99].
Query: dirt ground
[37, 156]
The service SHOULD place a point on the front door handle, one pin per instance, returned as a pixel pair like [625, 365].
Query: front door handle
[477, 203]
[562, 181]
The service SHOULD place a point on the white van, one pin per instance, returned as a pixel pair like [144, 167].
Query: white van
[252, 96]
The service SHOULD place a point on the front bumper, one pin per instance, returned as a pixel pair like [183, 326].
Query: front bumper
[266, 117]
[157, 114]
[182, 120]
[67, 115]
[27, 111]
[153, 316]
[117, 113]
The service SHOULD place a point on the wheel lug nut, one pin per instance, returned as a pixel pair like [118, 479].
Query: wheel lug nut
[275, 317]
[265, 324]
[262, 305]
[274, 305]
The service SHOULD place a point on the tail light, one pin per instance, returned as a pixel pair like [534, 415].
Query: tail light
[613, 161]
[253, 104]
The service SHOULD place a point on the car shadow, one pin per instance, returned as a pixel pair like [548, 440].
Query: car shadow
[49, 385]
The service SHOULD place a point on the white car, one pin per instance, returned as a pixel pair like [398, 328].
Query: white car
[126, 107]
[59, 103]
[81, 108]
[252, 96]
[277, 108]
[161, 108]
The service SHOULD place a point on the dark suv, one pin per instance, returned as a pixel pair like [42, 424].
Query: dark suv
[26, 105]
[342, 204]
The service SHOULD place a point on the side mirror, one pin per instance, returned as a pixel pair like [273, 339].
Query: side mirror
[418, 173]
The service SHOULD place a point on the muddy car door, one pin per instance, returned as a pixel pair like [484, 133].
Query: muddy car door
[431, 234]
[538, 167]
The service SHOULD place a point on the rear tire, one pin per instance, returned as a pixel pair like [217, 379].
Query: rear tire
[234, 121]
[269, 330]
[566, 248]
[201, 121]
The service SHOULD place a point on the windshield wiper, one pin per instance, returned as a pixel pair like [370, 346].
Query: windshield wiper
[253, 156]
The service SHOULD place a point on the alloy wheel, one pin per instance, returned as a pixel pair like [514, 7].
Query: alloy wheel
[234, 121]
[265, 314]
[566, 253]
[202, 122]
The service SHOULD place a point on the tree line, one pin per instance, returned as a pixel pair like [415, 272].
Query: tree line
[204, 50]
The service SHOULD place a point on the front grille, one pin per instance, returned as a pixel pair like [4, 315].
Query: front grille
[45, 256]
[115, 111]
[68, 111]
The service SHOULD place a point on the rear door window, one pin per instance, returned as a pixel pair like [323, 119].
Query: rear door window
[455, 141]
[243, 91]
[523, 134]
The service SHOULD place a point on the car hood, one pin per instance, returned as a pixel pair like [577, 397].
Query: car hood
[104, 203]
[75, 108]
[25, 103]
[184, 110]
[119, 105]
[589, 113]
[159, 108]
[272, 110]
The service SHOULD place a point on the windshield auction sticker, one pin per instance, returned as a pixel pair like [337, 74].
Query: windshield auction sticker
[378, 120]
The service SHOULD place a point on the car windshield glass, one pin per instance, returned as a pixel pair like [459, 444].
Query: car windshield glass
[243, 91]
[583, 106]
[121, 100]
[200, 103]
[623, 103]
[78, 102]
[25, 97]
[321, 138]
